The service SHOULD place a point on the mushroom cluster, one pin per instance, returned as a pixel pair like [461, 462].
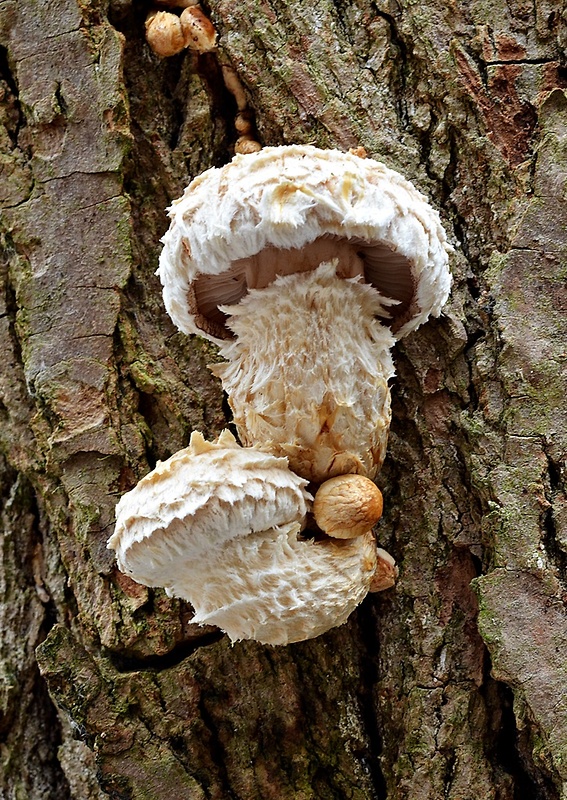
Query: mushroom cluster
[222, 526]
[169, 34]
[304, 266]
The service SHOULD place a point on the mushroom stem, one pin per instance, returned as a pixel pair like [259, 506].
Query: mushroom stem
[307, 374]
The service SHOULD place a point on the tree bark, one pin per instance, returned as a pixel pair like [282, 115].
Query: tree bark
[453, 684]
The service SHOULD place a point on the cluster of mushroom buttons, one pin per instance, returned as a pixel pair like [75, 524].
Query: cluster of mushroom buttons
[168, 34]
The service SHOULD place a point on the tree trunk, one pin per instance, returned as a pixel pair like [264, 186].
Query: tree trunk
[452, 685]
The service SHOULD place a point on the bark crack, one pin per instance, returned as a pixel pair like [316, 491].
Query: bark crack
[399, 93]
[369, 678]
[554, 492]
[521, 61]
[509, 748]
[130, 664]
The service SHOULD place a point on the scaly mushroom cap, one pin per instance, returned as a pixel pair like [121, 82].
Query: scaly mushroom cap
[288, 209]
[219, 525]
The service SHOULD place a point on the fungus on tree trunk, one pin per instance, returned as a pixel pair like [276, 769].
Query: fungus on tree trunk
[286, 259]
[304, 266]
[220, 525]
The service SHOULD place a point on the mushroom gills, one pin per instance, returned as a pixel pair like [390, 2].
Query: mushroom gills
[381, 267]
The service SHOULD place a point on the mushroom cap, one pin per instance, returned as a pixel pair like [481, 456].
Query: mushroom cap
[164, 33]
[219, 525]
[292, 202]
[386, 573]
[347, 506]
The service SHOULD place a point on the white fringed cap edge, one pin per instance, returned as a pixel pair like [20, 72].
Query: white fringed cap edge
[289, 196]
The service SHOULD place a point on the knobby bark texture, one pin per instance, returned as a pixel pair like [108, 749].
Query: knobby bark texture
[453, 684]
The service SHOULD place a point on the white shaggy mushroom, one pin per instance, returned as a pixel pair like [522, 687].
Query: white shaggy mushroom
[305, 266]
[220, 525]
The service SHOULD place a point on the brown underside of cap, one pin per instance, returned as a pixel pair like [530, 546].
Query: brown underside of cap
[213, 326]
[389, 272]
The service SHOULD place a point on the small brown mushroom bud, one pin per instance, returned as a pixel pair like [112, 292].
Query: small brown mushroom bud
[386, 572]
[243, 123]
[347, 506]
[246, 144]
[358, 151]
[164, 33]
[199, 32]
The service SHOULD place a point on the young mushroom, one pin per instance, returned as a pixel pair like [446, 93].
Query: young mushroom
[164, 33]
[220, 525]
[199, 32]
[169, 34]
[347, 506]
[386, 572]
[305, 266]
